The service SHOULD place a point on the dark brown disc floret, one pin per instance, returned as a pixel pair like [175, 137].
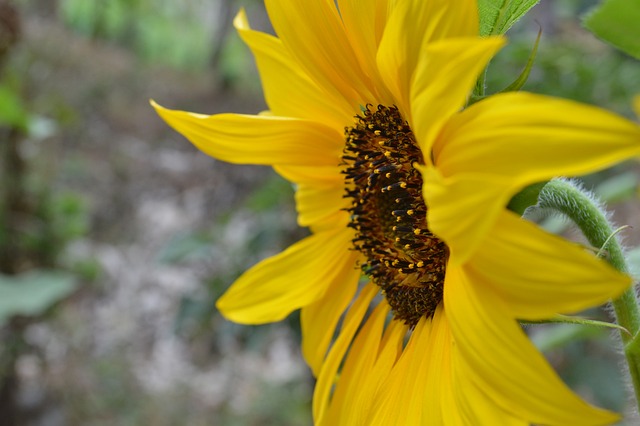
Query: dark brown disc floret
[388, 213]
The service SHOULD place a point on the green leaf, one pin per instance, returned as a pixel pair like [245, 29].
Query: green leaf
[32, 293]
[497, 16]
[617, 22]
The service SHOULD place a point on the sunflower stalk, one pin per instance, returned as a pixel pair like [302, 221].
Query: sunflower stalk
[560, 195]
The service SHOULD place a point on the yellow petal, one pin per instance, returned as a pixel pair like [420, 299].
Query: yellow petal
[364, 23]
[319, 319]
[297, 277]
[528, 138]
[258, 139]
[413, 24]
[538, 274]
[399, 400]
[310, 175]
[473, 403]
[314, 34]
[358, 365]
[440, 406]
[444, 77]
[328, 373]
[462, 208]
[319, 196]
[288, 91]
[497, 356]
[317, 202]
[372, 382]
[636, 105]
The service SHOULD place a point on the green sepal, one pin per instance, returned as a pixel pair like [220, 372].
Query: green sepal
[478, 92]
[564, 319]
[524, 75]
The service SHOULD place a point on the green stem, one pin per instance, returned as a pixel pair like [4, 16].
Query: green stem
[563, 196]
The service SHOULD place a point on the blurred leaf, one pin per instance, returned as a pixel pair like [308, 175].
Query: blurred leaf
[591, 369]
[619, 187]
[70, 217]
[633, 261]
[32, 293]
[81, 14]
[617, 22]
[12, 110]
[186, 246]
[115, 19]
[497, 16]
[275, 191]
[559, 335]
[235, 63]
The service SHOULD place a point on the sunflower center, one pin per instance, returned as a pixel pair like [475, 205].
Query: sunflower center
[388, 213]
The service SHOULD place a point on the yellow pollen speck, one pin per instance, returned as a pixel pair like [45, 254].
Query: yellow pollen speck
[412, 265]
[407, 246]
[420, 264]
[403, 185]
[417, 231]
[410, 212]
[388, 175]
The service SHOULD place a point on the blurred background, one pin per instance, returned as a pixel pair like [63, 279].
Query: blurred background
[116, 235]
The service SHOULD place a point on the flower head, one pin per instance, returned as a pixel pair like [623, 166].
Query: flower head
[400, 182]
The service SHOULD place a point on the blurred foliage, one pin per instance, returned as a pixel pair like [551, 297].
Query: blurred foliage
[190, 34]
[13, 112]
[265, 205]
[616, 22]
[182, 34]
[572, 68]
[32, 293]
[584, 358]
[161, 31]
[570, 63]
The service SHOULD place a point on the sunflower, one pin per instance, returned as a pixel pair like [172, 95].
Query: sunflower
[401, 182]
